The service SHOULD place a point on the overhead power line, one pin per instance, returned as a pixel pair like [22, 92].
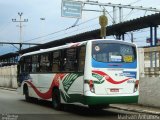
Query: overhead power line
[100, 4]
[62, 30]
[135, 2]
[16, 43]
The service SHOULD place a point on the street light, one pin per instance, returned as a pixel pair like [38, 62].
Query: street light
[42, 18]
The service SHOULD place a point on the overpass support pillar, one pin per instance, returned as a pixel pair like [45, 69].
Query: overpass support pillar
[120, 37]
[151, 36]
[155, 36]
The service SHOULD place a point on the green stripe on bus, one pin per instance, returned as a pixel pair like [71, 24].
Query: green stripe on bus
[93, 100]
[99, 100]
[68, 80]
[73, 98]
[95, 82]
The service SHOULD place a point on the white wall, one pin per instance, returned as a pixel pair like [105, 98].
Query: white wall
[149, 93]
[8, 76]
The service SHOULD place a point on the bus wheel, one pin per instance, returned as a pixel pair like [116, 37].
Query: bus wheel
[56, 102]
[26, 93]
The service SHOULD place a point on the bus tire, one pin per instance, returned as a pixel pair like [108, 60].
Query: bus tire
[56, 100]
[26, 93]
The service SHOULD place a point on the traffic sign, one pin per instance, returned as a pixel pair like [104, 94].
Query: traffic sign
[71, 8]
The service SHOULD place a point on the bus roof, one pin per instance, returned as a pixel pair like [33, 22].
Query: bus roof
[70, 45]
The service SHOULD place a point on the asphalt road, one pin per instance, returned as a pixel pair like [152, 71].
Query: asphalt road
[14, 107]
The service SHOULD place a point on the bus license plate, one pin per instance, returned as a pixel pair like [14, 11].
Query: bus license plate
[114, 90]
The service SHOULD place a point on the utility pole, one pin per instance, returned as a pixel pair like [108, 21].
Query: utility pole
[20, 27]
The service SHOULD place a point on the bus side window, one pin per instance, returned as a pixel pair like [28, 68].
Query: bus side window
[70, 60]
[45, 62]
[21, 66]
[28, 64]
[35, 63]
[81, 58]
[56, 61]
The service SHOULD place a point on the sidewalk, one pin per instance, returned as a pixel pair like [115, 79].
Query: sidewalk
[137, 108]
[11, 89]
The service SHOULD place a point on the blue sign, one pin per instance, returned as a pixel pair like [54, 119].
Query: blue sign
[71, 9]
[130, 74]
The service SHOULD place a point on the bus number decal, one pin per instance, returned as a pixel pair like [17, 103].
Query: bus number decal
[128, 58]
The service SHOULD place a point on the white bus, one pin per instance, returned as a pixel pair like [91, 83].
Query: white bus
[94, 73]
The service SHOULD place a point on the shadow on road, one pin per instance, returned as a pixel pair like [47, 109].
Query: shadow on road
[85, 111]
[75, 109]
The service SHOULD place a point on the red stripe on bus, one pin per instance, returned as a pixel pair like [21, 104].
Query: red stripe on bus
[109, 79]
[48, 94]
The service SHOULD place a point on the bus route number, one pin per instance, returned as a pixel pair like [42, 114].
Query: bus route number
[128, 58]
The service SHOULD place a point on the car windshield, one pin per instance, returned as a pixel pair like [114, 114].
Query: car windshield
[113, 52]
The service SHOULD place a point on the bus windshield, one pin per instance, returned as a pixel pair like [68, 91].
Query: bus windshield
[113, 53]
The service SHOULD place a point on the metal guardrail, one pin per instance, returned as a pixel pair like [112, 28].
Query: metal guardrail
[151, 61]
[152, 72]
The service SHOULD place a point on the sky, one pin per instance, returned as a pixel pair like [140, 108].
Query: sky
[54, 26]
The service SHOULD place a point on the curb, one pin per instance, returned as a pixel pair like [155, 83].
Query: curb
[136, 110]
[10, 89]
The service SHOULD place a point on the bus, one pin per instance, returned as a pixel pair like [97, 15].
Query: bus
[95, 73]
